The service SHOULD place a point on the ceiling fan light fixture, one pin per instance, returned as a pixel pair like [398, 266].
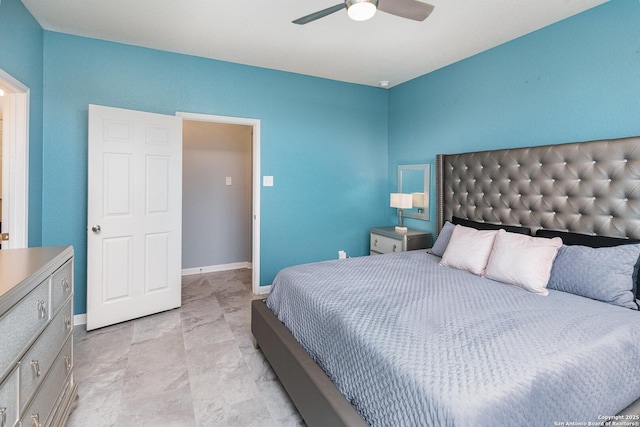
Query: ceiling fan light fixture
[361, 10]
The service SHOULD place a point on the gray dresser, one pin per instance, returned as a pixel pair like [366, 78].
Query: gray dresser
[36, 341]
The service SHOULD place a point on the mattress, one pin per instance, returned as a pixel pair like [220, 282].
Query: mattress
[411, 343]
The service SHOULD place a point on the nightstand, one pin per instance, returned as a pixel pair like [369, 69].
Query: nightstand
[385, 240]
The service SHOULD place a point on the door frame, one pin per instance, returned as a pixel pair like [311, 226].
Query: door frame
[15, 159]
[255, 147]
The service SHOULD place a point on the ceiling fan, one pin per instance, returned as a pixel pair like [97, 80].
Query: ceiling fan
[361, 10]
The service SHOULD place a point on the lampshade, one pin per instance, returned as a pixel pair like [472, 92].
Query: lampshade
[418, 200]
[361, 10]
[401, 201]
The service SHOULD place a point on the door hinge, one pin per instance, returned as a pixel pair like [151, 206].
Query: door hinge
[4, 236]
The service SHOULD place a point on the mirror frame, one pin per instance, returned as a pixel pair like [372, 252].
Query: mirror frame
[426, 169]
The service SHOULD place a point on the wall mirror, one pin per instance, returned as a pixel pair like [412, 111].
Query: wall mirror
[414, 180]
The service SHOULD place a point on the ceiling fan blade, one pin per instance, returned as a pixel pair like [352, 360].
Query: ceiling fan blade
[320, 14]
[410, 9]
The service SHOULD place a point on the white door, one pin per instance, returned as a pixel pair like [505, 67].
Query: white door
[134, 219]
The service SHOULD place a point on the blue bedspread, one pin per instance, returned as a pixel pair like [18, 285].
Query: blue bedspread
[411, 343]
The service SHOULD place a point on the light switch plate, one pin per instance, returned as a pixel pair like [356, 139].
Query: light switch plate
[267, 181]
[228, 180]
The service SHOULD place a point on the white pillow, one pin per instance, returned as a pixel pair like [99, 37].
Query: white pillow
[469, 249]
[523, 261]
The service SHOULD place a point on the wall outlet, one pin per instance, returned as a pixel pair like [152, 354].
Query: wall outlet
[342, 254]
[267, 181]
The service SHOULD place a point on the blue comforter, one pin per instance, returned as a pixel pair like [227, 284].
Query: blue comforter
[411, 343]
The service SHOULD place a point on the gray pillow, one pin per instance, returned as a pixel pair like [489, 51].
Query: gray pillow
[443, 239]
[604, 274]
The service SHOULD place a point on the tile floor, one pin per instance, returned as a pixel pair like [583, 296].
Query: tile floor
[192, 366]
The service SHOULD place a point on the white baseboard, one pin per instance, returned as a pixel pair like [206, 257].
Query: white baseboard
[263, 290]
[80, 319]
[214, 268]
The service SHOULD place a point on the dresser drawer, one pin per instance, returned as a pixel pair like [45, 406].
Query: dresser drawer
[9, 400]
[65, 403]
[61, 284]
[36, 363]
[22, 324]
[55, 383]
[385, 245]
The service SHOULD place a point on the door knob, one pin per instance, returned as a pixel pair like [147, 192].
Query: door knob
[96, 229]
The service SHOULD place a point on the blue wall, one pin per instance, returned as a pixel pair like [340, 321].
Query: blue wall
[21, 57]
[332, 147]
[325, 143]
[572, 81]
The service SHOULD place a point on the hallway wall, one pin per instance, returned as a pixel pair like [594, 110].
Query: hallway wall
[216, 217]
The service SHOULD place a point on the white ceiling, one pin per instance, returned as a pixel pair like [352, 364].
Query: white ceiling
[260, 32]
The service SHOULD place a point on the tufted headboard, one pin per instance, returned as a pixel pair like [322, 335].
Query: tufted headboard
[584, 187]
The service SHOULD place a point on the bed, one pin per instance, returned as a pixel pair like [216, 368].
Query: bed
[399, 339]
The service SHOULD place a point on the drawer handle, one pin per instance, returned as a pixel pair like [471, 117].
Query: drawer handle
[42, 310]
[375, 242]
[35, 368]
[67, 362]
[67, 322]
[35, 420]
[65, 284]
[394, 248]
[3, 417]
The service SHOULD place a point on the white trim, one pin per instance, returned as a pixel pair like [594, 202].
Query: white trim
[214, 268]
[255, 253]
[15, 159]
[264, 290]
[80, 319]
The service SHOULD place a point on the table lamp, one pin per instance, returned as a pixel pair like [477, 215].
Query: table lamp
[401, 201]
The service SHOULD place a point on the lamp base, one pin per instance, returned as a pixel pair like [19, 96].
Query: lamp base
[401, 229]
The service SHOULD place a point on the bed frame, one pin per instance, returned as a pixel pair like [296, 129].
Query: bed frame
[586, 187]
[319, 401]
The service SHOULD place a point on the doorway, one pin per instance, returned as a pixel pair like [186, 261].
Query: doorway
[14, 162]
[252, 127]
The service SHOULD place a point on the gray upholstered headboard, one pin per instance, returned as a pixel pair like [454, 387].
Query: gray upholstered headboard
[584, 187]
